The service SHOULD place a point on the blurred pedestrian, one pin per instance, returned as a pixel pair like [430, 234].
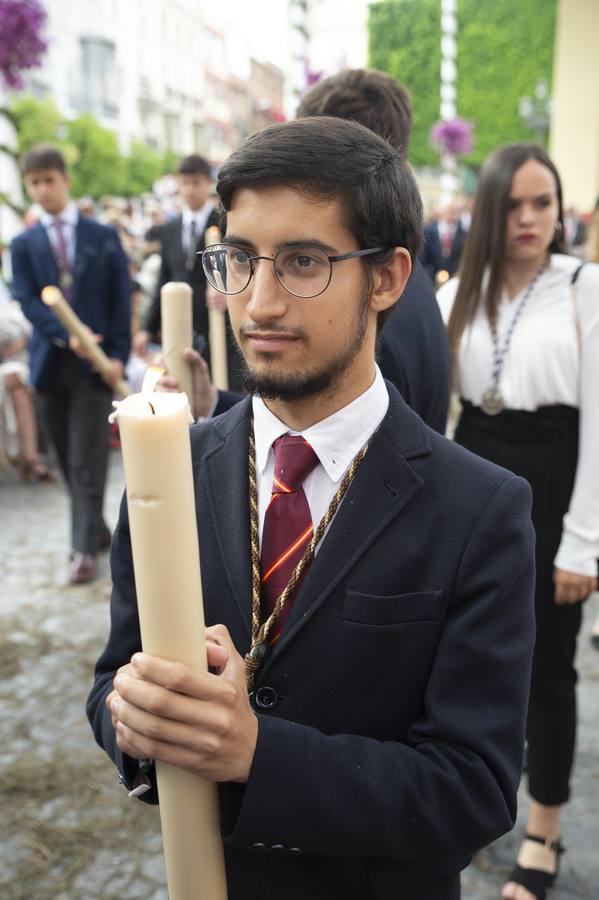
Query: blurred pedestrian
[524, 336]
[87, 261]
[182, 239]
[443, 243]
[18, 421]
[412, 349]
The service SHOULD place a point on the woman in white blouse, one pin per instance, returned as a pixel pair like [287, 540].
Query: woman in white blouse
[523, 326]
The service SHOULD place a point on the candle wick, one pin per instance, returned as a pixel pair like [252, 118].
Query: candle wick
[152, 408]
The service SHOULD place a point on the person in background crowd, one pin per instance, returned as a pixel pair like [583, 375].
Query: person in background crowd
[412, 349]
[443, 243]
[182, 240]
[87, 261]
[575, 232]
[18, 421]
[523, 322]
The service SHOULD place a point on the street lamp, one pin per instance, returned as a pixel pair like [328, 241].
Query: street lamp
[535, 111]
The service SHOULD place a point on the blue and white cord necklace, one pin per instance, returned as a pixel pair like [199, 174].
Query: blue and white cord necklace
[493, 402]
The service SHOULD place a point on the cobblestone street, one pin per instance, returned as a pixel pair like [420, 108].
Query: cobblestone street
[67, 830]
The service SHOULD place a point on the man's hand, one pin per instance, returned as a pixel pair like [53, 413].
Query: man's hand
[77, 347]
[112, 377]
[204, 392]
[571, 587]
[140, 342]
[195, 720]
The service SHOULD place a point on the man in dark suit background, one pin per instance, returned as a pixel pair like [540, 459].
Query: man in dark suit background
[443, 243]
[413, 352]
[380, 743]
[181, 239]
[87, 261]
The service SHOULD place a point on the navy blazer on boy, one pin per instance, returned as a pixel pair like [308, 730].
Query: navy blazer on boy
[391, 710]
[101, 293]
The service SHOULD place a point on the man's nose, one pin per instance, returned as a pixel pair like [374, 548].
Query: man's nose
[267, 296]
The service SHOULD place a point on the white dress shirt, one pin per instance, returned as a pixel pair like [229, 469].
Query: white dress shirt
[68, 219]
[546, 365]
[200, 217]
[336, 440]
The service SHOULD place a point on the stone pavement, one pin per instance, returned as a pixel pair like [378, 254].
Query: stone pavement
[67, 830]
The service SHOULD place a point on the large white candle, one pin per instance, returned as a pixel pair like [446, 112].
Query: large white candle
[154, 430]
[177, 332]
[217, 329]
[63, 311]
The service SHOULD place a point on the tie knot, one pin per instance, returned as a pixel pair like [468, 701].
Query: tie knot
[294, 460]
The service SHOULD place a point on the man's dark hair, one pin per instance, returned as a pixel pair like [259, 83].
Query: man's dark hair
[195, 165]
[367, 96]
[42, 157]
[334, 159]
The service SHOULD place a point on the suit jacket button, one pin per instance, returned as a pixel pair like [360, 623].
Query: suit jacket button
[295, 850]
[277, 847]
[258, 846]
[266, 697]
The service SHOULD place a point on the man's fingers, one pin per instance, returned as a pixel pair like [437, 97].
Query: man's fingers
[174, 677]
[218, 656]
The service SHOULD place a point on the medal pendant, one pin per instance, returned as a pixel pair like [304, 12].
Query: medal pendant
[492, 401]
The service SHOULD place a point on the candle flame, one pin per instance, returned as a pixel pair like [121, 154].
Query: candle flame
[151, 379]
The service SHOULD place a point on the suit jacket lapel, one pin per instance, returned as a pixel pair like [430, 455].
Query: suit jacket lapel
[43, 257]
[383, 485]
[227, 486]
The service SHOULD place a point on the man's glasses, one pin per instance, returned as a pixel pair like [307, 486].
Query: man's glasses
[303, 271]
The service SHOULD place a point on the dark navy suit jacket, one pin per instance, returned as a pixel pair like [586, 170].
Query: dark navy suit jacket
[433, 259]
[413, 351]
[391, 710]
[101, 293]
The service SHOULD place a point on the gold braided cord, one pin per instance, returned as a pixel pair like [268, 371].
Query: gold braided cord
[260, 633]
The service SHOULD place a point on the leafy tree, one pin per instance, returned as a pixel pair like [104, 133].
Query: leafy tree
[98, 168]
[504, 48]
[91, 151]
[37, 121]
[144, 166]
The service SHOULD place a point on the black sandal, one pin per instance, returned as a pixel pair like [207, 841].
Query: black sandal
[537, 881]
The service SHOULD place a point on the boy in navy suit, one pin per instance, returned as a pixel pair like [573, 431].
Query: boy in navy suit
[366, 728]
[87, 261]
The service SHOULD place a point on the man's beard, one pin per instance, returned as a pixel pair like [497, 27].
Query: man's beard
[301, 385]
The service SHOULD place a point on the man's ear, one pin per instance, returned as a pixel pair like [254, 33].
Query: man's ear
[389, 280]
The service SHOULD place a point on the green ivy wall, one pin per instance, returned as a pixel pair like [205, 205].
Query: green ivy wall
[504, 48]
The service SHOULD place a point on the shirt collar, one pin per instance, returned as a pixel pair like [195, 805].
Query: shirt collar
[69, 216]
[335, 440]
[199, 216]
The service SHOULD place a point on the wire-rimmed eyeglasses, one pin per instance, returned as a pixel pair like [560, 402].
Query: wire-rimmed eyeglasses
[303, 271]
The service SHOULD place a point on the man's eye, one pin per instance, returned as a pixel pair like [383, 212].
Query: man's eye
[303, 261]
[239, 257]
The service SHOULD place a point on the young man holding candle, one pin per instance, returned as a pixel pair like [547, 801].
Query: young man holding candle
[381, 740]
[87, 261]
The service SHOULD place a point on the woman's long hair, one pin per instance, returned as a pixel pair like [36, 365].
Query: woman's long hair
[484, 250]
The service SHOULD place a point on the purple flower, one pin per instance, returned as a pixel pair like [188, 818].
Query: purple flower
[452, 136]
[22, 44]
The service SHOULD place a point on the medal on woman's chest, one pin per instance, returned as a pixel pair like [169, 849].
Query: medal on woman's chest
[492, 400]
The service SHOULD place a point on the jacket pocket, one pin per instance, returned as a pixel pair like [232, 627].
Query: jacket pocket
[396, 609]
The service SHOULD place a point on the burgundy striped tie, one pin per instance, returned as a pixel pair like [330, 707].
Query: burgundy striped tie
[287, 524]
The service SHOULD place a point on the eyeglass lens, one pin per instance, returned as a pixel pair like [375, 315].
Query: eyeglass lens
[303, 271]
